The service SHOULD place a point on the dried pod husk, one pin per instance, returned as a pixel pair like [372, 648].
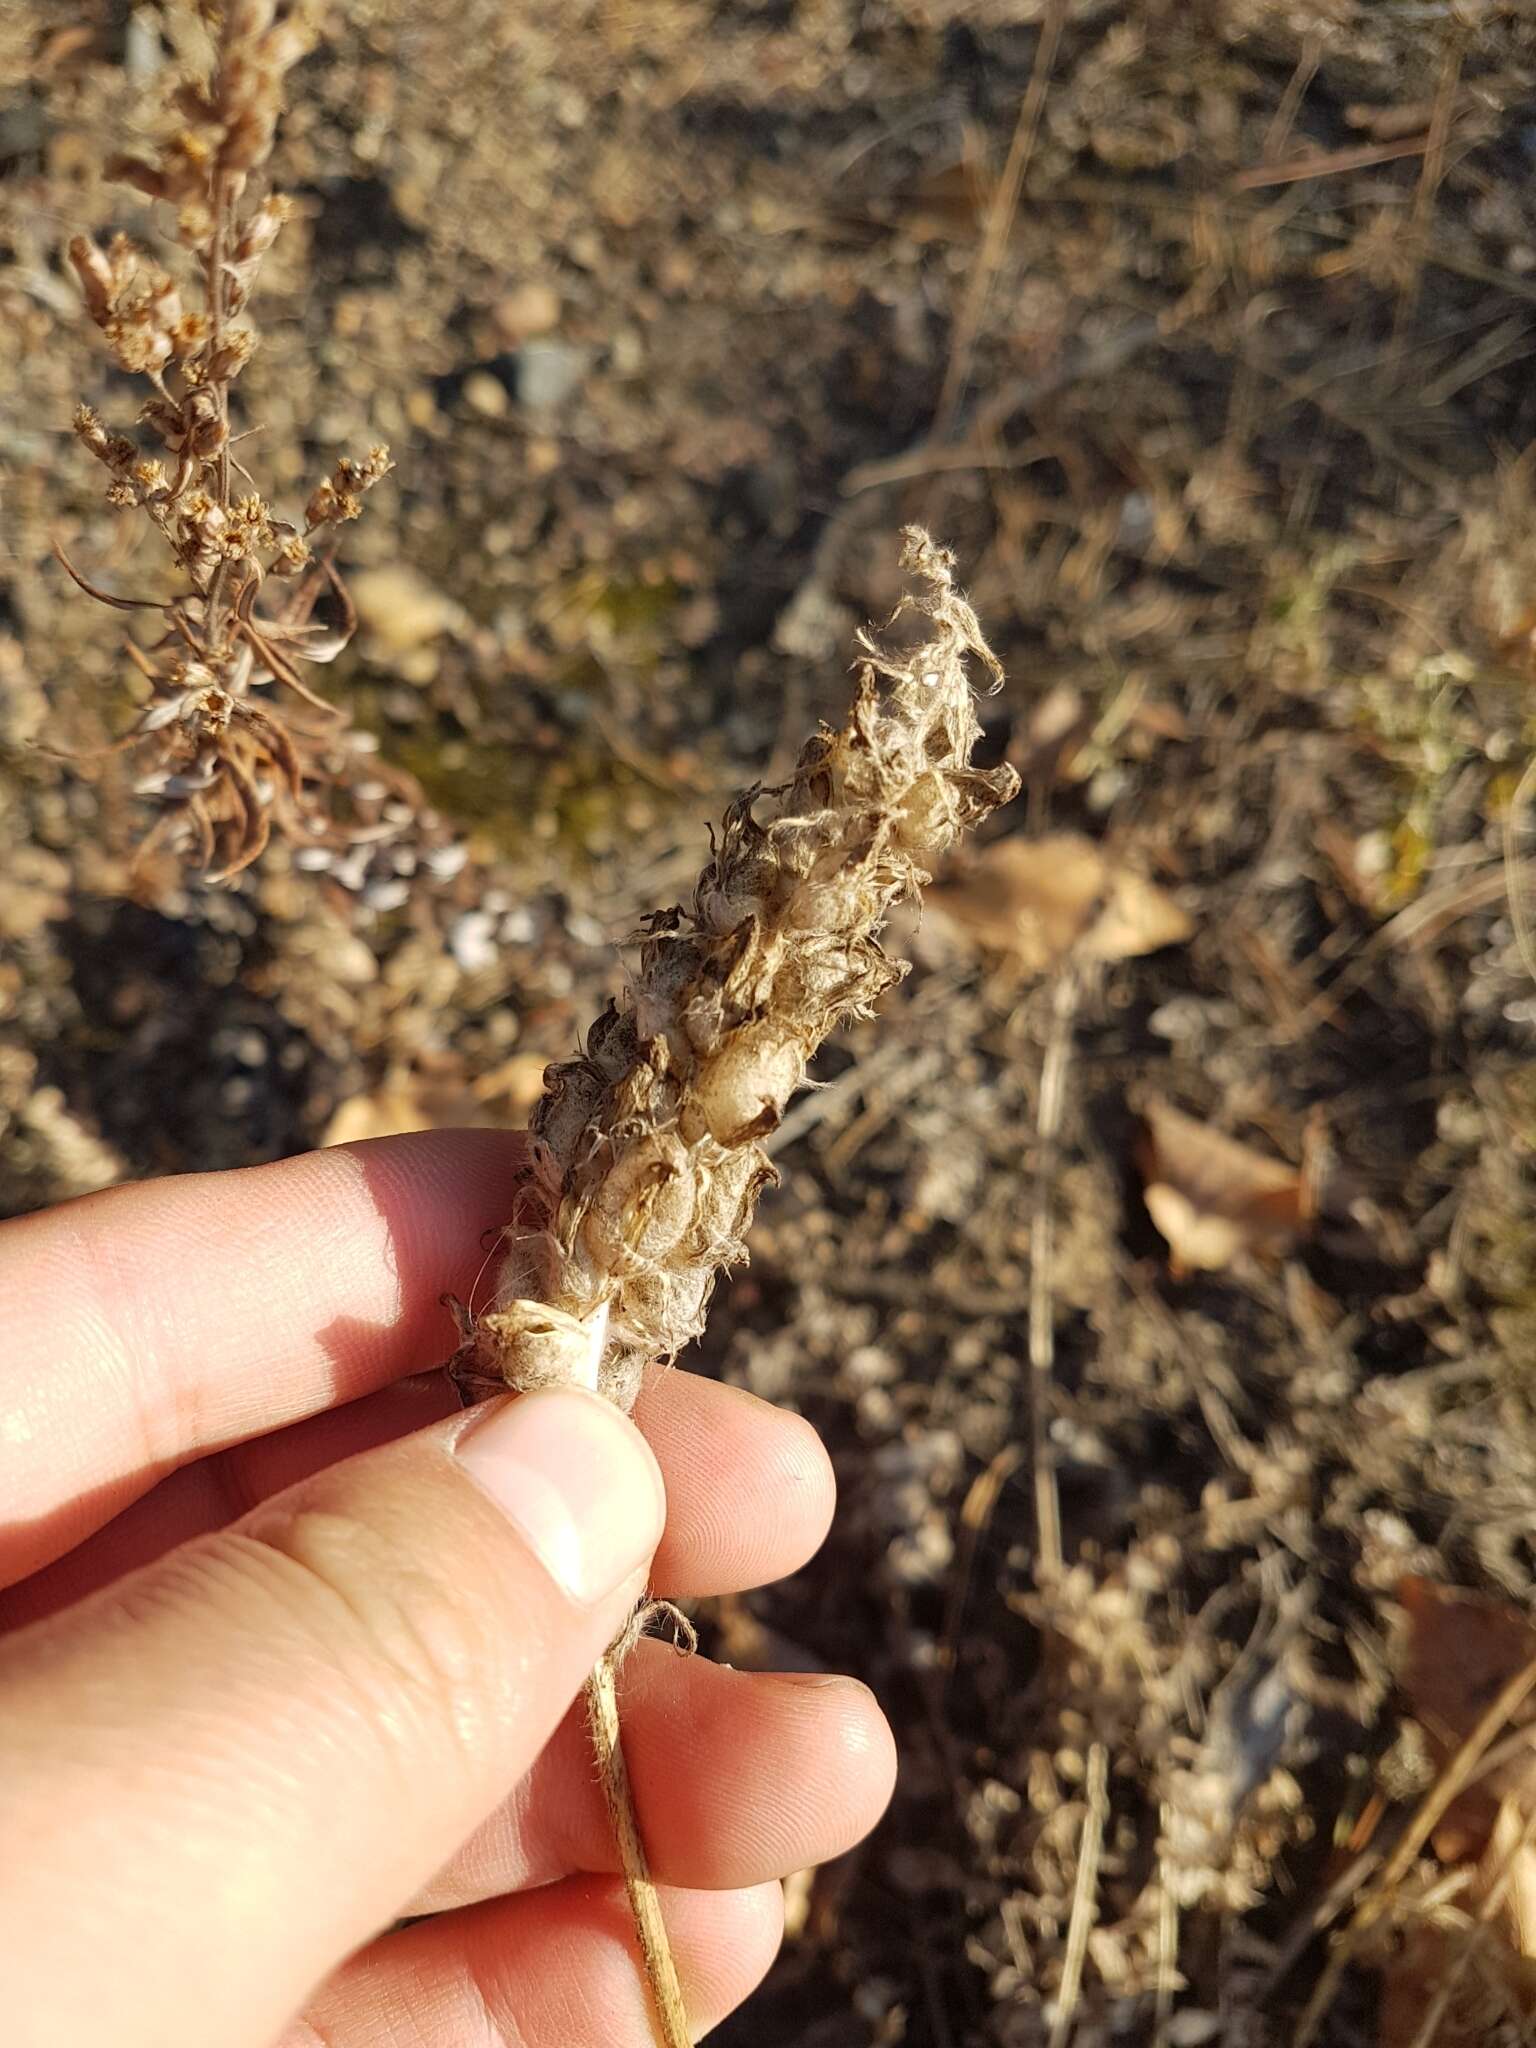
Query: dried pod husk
[650, 1159]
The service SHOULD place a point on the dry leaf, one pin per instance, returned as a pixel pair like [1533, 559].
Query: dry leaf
[1213, 1198]
[1495, 1986]
[1461, 1650]
[1036, 900]
[513, 1088]
[1057, 728]
[400, 611]
[401, 1103]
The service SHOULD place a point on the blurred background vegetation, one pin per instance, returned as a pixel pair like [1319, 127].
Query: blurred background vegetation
[1203, 332]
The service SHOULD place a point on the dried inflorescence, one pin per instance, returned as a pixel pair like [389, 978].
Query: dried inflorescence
[649, 1155]
[222, 757]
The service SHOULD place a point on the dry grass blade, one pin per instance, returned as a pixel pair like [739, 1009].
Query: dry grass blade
[1042, 1324]
[1515, 870]
[1000, 214]
[1084, 1893]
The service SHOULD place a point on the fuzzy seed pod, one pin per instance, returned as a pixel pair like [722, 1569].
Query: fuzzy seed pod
[649, 1160]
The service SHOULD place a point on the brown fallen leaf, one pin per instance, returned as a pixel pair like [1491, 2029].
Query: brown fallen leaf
[511, 1089]
[1460, 1650]
[1463, 1983]
[1212, 1197]
[401, 1103]
[1034, 901]
[1450, 1986]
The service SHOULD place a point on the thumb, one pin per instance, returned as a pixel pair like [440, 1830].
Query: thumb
[230, 1768]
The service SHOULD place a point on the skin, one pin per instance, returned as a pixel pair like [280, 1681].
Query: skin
[274, 1673]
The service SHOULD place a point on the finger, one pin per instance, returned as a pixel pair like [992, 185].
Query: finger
[296, 1720]
[212, 1492]
[148, 1324]
[552, 1969]
[749, 1489]
[737, 1777]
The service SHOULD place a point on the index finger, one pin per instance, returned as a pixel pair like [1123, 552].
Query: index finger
[148, 1324]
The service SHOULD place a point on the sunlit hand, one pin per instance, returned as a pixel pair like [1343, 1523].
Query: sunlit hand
[293, 1643]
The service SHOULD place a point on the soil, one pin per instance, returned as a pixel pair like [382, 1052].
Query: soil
[1202, 333]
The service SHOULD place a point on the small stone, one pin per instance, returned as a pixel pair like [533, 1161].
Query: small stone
[400, 611]
[444, 862]
[485, 394]
[548, 373]
[386, 893]
[530, 310]
[472, 941]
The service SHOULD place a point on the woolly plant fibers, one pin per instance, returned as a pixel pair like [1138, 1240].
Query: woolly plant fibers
[649, 1159]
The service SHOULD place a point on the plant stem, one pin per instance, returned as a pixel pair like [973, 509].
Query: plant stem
[215, 297]
[670, 2014]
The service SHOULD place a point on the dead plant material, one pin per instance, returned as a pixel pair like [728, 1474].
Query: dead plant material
[1034, 902]
[1213, 1198]
[216, 748]
[650, 1156]
[1469, 1964]
[651, 1153]
[1460, 1649]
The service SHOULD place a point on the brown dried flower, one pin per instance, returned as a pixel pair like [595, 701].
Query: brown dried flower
[221, 757]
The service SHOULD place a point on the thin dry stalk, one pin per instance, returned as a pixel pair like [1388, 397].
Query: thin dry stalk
[1515, 871]
[1459, 1772]
[1167, 1940]
[1042, 1319]
[976, 1512]
[649, 1151]
[1000, 218]
[645, 1907]
[1431, 171]
[1084, 1894]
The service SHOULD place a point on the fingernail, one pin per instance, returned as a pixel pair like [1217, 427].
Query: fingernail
[577, 1479]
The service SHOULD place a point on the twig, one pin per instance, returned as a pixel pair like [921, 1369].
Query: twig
[1167, 1943]
[1453, 1780]
[1301, 77]
[1329, 163]
[1084, 1893]
[214, 294]
[1076, 365]
[1519, 913]
[1042, 1328]
[671, 2015]
[1000, 218]
[976, 1512]
[1431, 172]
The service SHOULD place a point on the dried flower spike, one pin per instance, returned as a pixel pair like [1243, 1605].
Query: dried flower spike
[217, 750]
[650, 1159]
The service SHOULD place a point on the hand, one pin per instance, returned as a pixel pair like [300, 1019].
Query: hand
[293, 1642]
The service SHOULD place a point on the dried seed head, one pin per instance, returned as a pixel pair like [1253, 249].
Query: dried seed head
[216, 749]
[651, 1160]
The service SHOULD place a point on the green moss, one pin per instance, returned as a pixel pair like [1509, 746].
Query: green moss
[578, 803]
